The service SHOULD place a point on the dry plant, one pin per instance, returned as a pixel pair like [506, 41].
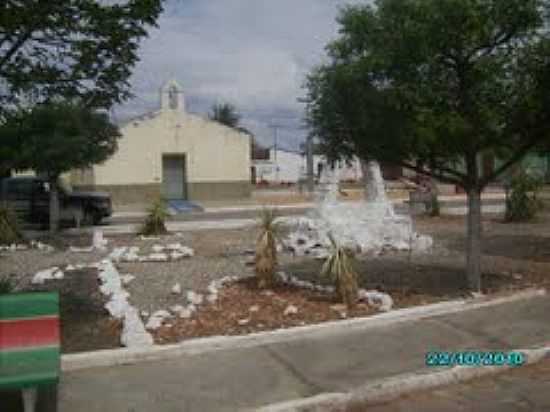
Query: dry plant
[266, 249]
[9, 226]
[155, 221]
[339, 268]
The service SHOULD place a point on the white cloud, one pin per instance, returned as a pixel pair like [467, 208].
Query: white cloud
[252, 53]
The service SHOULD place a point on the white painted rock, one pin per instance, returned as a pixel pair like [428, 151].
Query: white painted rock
[290, 310]
[126, 279]
[194, 298]
[48, 274]
[158, 248]
[157, 319]
[176, 289]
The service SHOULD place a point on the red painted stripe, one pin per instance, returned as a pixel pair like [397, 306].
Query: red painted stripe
[29, 333]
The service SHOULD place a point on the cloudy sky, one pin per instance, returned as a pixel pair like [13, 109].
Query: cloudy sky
[252, 53]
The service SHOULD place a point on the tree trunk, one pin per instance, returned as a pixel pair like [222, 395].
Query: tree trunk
[54, 205]
[473, 264]
[310, 171]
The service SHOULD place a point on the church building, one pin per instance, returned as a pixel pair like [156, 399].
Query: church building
[174, 154]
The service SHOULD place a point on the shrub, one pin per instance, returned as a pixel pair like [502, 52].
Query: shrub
[338, 267]
[6, 286]
[9, 226]
[155, 221]
[522, 203]
[266, 249]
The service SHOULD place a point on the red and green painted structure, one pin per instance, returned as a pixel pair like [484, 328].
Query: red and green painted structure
[29, 340]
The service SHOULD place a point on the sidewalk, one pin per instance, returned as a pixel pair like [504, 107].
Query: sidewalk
[228, 207]
[236, 379]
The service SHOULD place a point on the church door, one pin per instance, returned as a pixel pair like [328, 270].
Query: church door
[174, 182]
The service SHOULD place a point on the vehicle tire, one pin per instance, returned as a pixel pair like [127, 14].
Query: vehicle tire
[92, 217]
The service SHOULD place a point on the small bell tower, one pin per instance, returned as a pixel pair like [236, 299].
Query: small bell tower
[171, 97]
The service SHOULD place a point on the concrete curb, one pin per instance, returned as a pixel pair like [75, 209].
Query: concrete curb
[386, 390]
[113, 357]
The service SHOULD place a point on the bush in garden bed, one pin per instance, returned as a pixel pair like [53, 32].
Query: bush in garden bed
[9, 226]
[338, 267]
[522, 204]
[155, 221]
[266, 249]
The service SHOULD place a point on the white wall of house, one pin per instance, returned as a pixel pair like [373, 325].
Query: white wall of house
[288, 166]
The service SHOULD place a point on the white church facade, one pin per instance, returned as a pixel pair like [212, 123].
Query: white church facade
[173, 154]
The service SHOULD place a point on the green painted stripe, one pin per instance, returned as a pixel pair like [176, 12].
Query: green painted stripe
[29, 305]
[29, 367]
[29, 381]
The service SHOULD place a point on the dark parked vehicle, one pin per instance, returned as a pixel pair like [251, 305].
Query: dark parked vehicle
[29, 197]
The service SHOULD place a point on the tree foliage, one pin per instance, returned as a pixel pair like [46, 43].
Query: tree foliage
[82, 49]
[226, 114]
[54, 138]
[434, 85]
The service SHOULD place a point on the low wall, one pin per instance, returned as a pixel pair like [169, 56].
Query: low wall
[197, 191]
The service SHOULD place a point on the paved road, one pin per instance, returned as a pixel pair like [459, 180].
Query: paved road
[524, 389]
[230, 380]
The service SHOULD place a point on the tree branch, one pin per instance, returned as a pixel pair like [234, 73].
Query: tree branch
[15, 47]
[439, 176]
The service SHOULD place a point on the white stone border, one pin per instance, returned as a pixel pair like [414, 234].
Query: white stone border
[122, 356]
[389, 389]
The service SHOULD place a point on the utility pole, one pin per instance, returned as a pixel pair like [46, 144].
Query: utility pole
[275, 128]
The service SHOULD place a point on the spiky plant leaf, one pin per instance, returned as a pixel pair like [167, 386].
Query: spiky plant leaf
[155, 221]
[338, 267]
[266, 249]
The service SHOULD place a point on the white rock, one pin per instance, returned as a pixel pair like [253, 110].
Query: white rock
[98, 242]
[69, 268]
[149, 238]
[177, 309]
[81, 249]
[254, 308]
[290, 310]
[213, 298]
[145, 313]
[48, 274]
[157, 319]
[158, 248]
[194, 298]
[155, 257]
[126, 279]
[243, 322]
[176, 289]
[379, 300]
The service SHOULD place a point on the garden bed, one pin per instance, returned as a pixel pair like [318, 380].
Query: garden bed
[515, 257]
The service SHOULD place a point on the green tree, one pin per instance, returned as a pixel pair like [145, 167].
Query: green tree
[55, 138]
[434, 85]
[226, 114]
[82, 49]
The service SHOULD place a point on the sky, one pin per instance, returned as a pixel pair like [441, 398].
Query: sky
[254, 54]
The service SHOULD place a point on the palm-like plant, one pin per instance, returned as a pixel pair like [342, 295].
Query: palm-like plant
[155, 221]
[266, 249]
[338, 267]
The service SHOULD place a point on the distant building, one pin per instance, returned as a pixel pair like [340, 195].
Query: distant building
[283, 166]
[174, 154]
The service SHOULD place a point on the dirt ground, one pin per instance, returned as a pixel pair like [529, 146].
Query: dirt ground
[516, 256]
